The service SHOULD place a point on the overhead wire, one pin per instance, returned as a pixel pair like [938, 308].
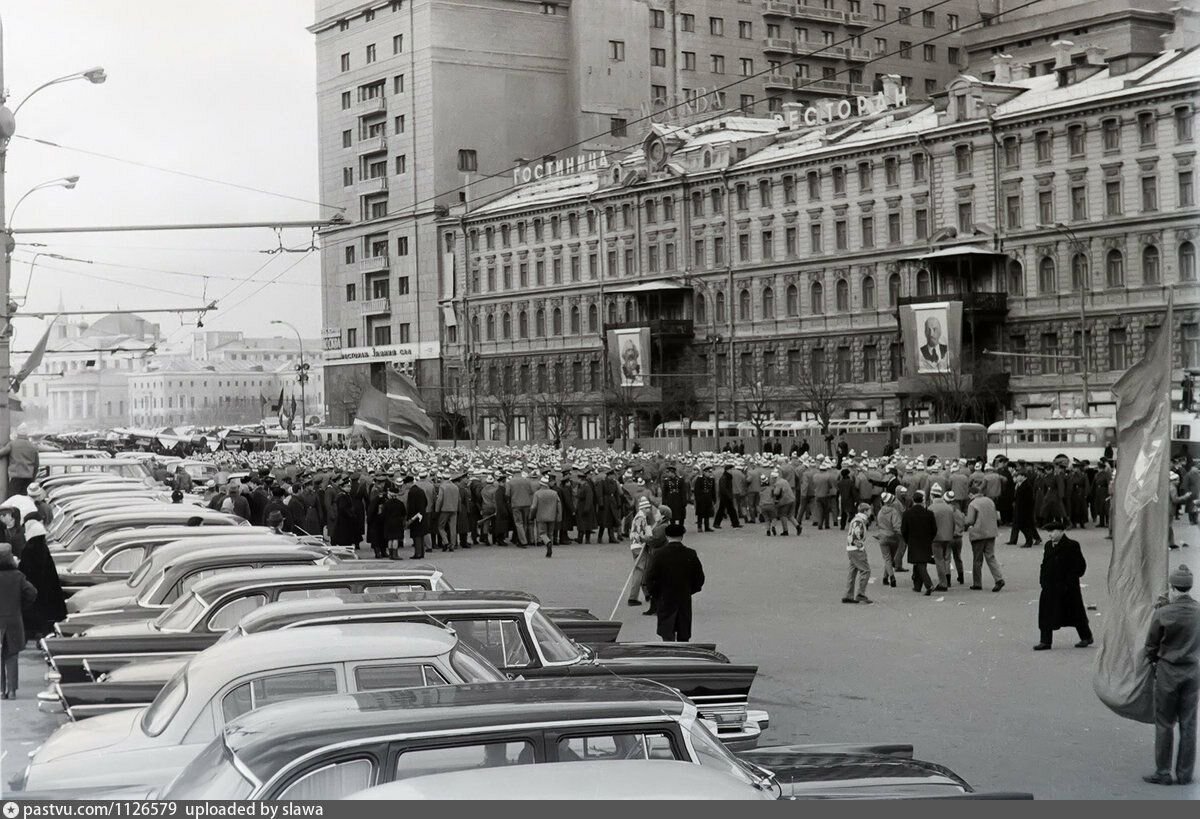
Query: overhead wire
[205, 276]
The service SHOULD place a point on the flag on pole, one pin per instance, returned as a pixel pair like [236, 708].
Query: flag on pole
[35, 358]
[407, 407]
[278, 405]
[1137, 573]
[379, 412]
[293, 410]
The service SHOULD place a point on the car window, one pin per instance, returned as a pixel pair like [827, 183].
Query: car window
[278, 688]
[309, 594]
[394, 587]
[227, 616]
[185, 584]
[556, 646]
[380, 677]
[463, 758]
[499, 639]
[473, 666]
[615, 746]
[334, 781]
[163, 709]
[125, 560]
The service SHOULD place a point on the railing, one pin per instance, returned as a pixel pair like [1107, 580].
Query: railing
[804, 11]
[858, 19]
[375, 185]
[779, 7]
[372, 145]
[371, 106]
[658, 327]
[371, 264]
[860, 89]
[373, 306]
[779, 81]
[780, 44]
[982, 302]
[827, 86]
[832, 51]
[859, 54]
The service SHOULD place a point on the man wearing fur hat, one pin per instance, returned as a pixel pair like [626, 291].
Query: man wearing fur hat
[1173, 649]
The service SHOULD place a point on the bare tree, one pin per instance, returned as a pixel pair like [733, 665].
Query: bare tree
[505, 400]
[556, 405]
[823, 393]
[623, 405]
[971, 394]
[681, 391]
[761, 399]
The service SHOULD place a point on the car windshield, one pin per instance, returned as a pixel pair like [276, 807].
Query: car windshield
[711, 753]
[87, 561]
[182, 615]
[211, 775]
[556, 647]
[161, 711]
[473, 666]
[148, 591]
[143, 571]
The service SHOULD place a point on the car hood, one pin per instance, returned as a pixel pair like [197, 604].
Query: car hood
[133, 628]
[816, 773]
[637, 653]
[97, 734]
[147, 671]
[115, 594]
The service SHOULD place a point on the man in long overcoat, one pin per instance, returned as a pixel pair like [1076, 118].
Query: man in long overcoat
[585, 507]
[1061, 601]
[704, 492]
[610, 500]
[674, 494]
[918, 528]
[673, 576]
[1024, 520]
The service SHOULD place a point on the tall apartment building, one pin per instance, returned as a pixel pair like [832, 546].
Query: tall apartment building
[427, 104]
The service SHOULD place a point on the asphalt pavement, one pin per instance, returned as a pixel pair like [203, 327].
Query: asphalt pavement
[953, 674]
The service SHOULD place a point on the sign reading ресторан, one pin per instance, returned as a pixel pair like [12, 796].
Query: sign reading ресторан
[824, 111]
[591, 161]
[384, 352]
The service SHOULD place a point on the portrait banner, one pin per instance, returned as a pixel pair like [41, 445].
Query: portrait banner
[932, 336]
[629, 356]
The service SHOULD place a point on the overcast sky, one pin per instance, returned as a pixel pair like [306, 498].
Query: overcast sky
[219, 88]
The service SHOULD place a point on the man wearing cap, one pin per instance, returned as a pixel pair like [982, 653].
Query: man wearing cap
[610, 501]
[1173, 649]
[416, 505]
[447, 508]
[23, 461]
[982, 527]
[726, 504]
[520, 497]
[673, 576]
[888, 520]
[674, 493]
[502, 519]
[856, 550]
[943, 513]
[918, 528]
[704, 493]
[1060, 603]
[547, 511]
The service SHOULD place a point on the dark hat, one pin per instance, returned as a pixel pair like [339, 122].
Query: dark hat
[274, 516]
[1057, 523]
[409, 479]
[676, 530]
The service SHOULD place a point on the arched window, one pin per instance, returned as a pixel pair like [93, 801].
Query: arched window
[1047, 279]
[744, 305]
[768, 303]
[575, 328]
[1079, 272]
[628, 310]
[842, 293]
[523, 324]
[868, 293]
[793, 301]
[556, 318]
[924, 283]
[720, 307]
[593, 319]
[475, 327]
[505, 326]
[1151, 273]
[491, 327]
[1187, 262]
[894, 290]
[1114, 268]
[612, 312]
[539, 322]
[1016, 278]
[701, 310]
[817, 299]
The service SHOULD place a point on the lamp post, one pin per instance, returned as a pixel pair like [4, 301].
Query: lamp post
[302, 377]
[8, 127]
[1078, 247]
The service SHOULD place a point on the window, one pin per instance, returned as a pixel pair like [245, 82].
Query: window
[814, 185]
[845, 368]
[398, 124]
[347, 139]
[1076, 141]
[371, 53]
[1112, 198]
[351, 291]
[347, 177]
[616, 50]
[351, 337]
[1111, 132]
[816, 365]
[817, 299]
[557, 321]
[1045, 207]
[615, 746]
[1043, 146]
[929, 53]
[425, 761]
[840, 237]
[689, 61]
[1078, 202]
[962, 159]
[1147, 129]
[880, 12]
[468, 160]
[687, 22]
[1050, 348]
[746, 103]
[870, 362]
[768, 303]
[952, 22]
[1191, 344]
[744, 313]
[345, 100]
[1116, 349]
[747, 66]
[1012, 211]
[1183, 124]
[1151, 274]
[1015, 278]
[903, 14]
[814, 236]
[716, 26]
[868, 231]
[658, 57]
[383, 677]
[918, 167]
[764, 193]
[658, 18]
[720, 307]
[1114, 268]
[905, 50]
[966, 219]
[743, 247]
[745, 30]
[894, 231]
[1186, 196]
[335, 781]
[891, 171]
[398, 84]
[789, 243]
[894, 290]
[842, 291]
[1047, 280]
[768, 245]
[1187, 262]
[868, 293]
[401, 164]
[864, 176]
[278, 688]
[793, 301]
[839, 180]
[717, 63]
[924, 283]
[1078, 272]
[344, 62]
[1149, 193]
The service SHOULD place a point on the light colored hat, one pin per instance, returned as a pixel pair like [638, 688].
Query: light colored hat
[936, 489]
[1181, 578]
[644, 503]
[948, 496]
[887, 497]
[35, 491]
[546, 480]
[34, 528]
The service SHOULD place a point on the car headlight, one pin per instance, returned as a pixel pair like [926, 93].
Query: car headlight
[53, 676]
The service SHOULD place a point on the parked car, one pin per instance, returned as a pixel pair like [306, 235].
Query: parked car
[64, 492]
[56, 464]
[215, 605]
[510, 628]
[85, 533]
[331, 747]
[150, 745]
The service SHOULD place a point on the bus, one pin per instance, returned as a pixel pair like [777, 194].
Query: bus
[1043, 440]
[947, 442]
[1185, 434]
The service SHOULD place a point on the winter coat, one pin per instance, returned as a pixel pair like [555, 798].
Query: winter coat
[17, 596]
[394, 516]
[673, 576]
[611, 503]
[1061, 601]
[51, 605]
[982, 520]
[704, 490]
[943, 513]
[918, 527]
[547, 507]
[585, 506]
[416, 503]
[346, 531]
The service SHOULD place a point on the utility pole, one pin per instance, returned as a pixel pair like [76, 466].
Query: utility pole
[301, 375]
[1077, 247]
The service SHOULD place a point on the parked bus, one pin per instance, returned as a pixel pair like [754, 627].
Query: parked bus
[1044, 439]
[1185, 434]
[946, 441]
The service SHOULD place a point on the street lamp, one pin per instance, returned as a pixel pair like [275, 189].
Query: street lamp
[68, 182]
[302, 377]
[1078, 247]
[93, 75]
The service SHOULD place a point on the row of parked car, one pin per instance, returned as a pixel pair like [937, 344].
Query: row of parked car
[203, 658]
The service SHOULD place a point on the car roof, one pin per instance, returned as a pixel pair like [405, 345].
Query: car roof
[321, 644]
[278, 615]
[582, 780]
[213, 587]
[269, 738]
[156, 511]
[179, 531]
[254, 549]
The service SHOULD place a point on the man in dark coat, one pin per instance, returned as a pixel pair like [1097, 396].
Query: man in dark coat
[1005, 504]
[258, 500]
[38, 567]
[674, 494]
[1061, 601]
[17, 595]
[726, 503]
[585, 507]
[918, 528]
[673, 576]
[417, 506]
[1173, 649]
[297, 511]
[704, 493]
[502, 522]
[1023, 520]
[278, 503]
[1077, 496]
[345, 528]
[611, 507]
[1099, 494]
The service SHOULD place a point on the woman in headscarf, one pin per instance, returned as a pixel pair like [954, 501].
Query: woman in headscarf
[16, 595]
[10, 530]
[38, 567]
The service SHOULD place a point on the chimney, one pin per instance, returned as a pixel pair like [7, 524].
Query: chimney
[1002, 66]
[1020, 71]
[1062, 54]
[1095, 55]
[1187, 28]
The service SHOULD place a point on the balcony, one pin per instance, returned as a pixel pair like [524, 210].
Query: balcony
[779, 8]
[659, 328]
[377, 185]
[374, 264]
[859, 89]
[858, 55]
[780, 44]
[857, 19]
[831, 51]
[826, 87]
[806, 12]
[374, 105]
[779, 81]
[993, 304]
[373, 307]
[372, 145]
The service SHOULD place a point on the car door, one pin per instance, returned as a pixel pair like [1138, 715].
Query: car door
[282, 685]
[499, 638]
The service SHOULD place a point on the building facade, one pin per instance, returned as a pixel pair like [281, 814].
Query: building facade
[425, 105]
[759, 257]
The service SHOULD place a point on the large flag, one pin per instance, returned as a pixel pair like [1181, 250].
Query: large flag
[35, 358]
[278, 405]
[406, 403]
[1137, 573]
[378, 412]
